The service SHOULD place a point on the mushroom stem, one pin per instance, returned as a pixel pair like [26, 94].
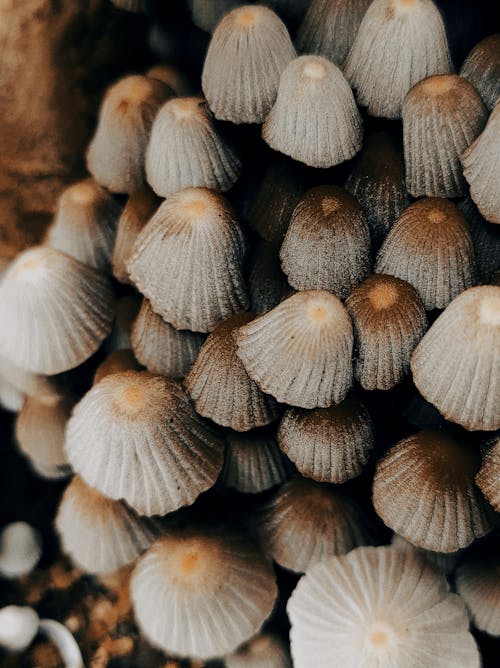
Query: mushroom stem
[64, 641]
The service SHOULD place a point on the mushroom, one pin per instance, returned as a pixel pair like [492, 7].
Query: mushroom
[185, 150]
[306, 522]
[248, 51]
[442, 116]
[314, 119]
[221, 388]
[201, 592]
[329, 28]
[149, 446]
[300, 351]
[327, 245]
[55, 311]
[399, 42]
[430, 247]
[193, 241]
[378, 606]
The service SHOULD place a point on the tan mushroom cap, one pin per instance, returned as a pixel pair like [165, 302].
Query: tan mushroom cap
[424, 490]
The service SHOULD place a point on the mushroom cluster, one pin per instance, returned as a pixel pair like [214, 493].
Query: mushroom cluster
[261, 339]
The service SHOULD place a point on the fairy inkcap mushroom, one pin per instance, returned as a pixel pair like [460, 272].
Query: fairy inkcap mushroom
[202, 592]
[115, 156]
[253, 462]
[147, 446]
[456, 365]
[315, 119]
[442, 116]
[85, 224]
[185, 150]
[327, 245]
[488, 477]
[399, 42]
[481, 163]
[478, 583]
[40, 428]
[300, 352]
[55, 311]
[378, 606]
[221, 388]
[266, 650]
[424, 490]
[139, 208]
[430, 247]
[188, 260]
[100, 534]
[482, 69]
[306, 522]
[115, 362]
[329, 28]
[328, 444]
[389, 320]
[162, 348]
[249, 50]
[377, 181]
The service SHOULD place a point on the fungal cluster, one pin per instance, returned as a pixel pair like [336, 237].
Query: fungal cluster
[261, 340]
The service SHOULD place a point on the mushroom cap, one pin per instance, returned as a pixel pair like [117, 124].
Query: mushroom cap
[55, 311]
[300, 351]
[378, 607]
[185, 150]
[306, 522]
[478, 583]
[442, 115]
[283, 184]
[20, 549]
[99, 534]
[485, 239]
[327, 245]
[424, 490]
[18, 627]
[115, 156]
[126, 311]
[85, 224]
[377, 181]
[116, 362]
[162, 348]
[266, 650]
[206, 15]
[174, 77]
[139, 208]
[481, 163]
[253, 462]
[201, 593]
[188, 260]
[329, 28]
[40, 428]
[430, 247]
[267, 284]
[148, 446]
[328, 444]
[315, 119]
[488, 476]
[456, 365]
[249, 50]
[221, 388]
[389, 320]
[482, 69]
[399, 42]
